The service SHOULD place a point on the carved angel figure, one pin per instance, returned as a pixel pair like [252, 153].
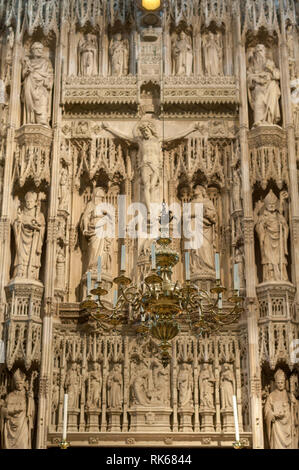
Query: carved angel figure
[37, 73]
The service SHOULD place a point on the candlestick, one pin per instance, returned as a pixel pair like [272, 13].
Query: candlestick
[153, 256]
[65, 416]
[99, 268]
[123, 258]
[96, 297]
[236, 277]
[236, 418]
[217, 265]
[187, 265]
[88, 279]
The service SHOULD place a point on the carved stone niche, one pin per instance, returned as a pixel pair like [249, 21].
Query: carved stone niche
[276, 300]
[32, 156]
[268, 155]
[23, 322]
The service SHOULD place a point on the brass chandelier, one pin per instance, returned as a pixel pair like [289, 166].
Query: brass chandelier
[160, 306]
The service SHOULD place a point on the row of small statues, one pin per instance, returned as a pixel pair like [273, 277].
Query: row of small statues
[270, 223]
[17, 410]
[263, 76]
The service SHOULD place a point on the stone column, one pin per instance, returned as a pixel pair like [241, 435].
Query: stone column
[291, 145]
[44, 409]
[248, 224]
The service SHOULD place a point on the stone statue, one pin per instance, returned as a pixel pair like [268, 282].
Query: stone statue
[87, 52]
[239, 259]
[161, 384]
[63, 190]
[236, 190]
[272, 229]
[94, 394]
[279, 415]
[203, 257]
[182, 55]
[263, 87]
[92, 223]
[115, 388]
[60, 267]
[37, 86]
[17, 416]
[227, 386]
[107, 258]
[73, 386]
[295, 102]
[149, 157]
[212, 47]
[55, 396]
[185, 385]
[29, 230]
[206, 381]
[119, 55]
[140, 386]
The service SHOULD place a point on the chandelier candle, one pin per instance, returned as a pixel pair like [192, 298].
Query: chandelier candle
[236, 277]
[217, 265]
[236, 418]
[153, 256]
[187, 265]
[123, 258]
[99, 268]
[64, 416]
[88, 279]
[115, 295]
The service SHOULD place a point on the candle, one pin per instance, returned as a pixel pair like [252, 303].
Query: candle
[96, 297]
[153, 256]
[64, 416]
[236, 277]
[99, 268]
[217, 265]
[115, 298]
[187, 265]
[236, 418]
[220, 301]
[123, 258]
[88, 279]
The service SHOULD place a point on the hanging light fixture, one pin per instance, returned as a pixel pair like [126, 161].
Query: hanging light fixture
[161, 306]
[151, 5]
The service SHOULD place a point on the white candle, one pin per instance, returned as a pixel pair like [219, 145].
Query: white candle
[217, 265]
[236, 277]
[236, 418]
[123, 258]
[153, 256]
[88, 279]
[64, 417]
[115, 298]
[187, 265]
[99, 268]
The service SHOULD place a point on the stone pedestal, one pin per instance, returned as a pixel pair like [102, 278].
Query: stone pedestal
[93, 422]
[150, 419]
[185, 419]
[114, 420]
[228, 424]
[207, 420]
[72, 420]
